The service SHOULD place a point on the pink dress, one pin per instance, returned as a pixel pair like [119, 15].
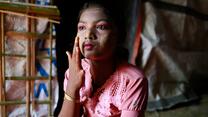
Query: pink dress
[124, 94]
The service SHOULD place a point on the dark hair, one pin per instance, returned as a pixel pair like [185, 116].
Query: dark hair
[116, 15]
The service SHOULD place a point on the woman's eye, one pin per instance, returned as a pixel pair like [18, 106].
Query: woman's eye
[80, 28]
[102, 27]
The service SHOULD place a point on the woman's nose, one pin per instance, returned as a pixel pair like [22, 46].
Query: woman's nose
[90, 34]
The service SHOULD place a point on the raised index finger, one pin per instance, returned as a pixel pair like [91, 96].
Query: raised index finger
[76, 44]
[78, 55]
[69, 56]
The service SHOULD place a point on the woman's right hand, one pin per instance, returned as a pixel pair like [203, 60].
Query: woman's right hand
[76, 73]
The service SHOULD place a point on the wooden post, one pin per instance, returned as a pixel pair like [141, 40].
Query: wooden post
[2, 68]
[33, 56]
[50, 74]
[31, 64]
[28, 74]
[1, 84]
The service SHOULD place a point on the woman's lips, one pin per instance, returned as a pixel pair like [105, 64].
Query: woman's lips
[88, 46]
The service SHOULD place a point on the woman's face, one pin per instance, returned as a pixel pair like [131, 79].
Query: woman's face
[96, 34]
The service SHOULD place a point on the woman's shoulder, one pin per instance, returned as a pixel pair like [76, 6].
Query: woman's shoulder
[130, 71]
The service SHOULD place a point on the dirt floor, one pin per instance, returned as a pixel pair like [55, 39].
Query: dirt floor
[198, 108]
[194, 109]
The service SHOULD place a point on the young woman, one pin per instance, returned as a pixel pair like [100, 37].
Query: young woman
[102, 83]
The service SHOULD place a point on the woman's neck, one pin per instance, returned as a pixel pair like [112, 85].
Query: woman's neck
[102, 70]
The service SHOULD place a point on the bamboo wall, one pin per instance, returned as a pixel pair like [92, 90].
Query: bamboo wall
[32, 13]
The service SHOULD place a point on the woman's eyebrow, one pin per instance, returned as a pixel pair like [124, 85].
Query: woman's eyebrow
[82, 22]
[105, 20]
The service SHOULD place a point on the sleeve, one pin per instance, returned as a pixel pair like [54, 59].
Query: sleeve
[126, 113]
[134, 100]
[66, 78]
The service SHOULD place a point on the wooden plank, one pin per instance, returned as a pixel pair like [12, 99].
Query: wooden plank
[2, 70]
[16, 102]
[27, 78]
[23, 56]
[1, 83]
[50, 12]
[33, 24]
[26, 35]
[28, 71]
[50, 72]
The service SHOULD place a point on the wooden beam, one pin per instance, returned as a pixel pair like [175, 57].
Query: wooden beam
[2, 70]
[23, 102]
[42, 78]
[26, 35]
[1, 83]
[31, 10]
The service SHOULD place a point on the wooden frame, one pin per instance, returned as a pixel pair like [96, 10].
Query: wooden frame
[32, 12]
